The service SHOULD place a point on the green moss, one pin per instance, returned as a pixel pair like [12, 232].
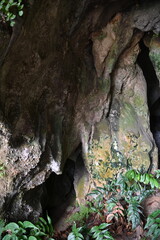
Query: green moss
[80, 188]
[128, 117]
[81, 216]
[139, 100]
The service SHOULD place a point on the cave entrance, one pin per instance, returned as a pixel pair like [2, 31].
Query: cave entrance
[153, 92]
[59, 191]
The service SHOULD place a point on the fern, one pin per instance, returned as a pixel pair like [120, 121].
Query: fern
[153, 225]
[133, 212]
[132, 188]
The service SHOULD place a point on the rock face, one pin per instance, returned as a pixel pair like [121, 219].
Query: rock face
[73, 86]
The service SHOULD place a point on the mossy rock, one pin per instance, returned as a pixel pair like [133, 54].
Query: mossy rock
[99, 160]
[128, 118]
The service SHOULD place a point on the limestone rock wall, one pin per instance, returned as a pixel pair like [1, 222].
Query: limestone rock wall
[71, 77]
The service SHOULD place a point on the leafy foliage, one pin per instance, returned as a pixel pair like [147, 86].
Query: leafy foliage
[76, 233]
[45, 226]
[153, 225]
[100, 232]
[130, 188]
[113, 206]
[146, 178]
[9, 9]
[133, 212]
[118, 201]
[25, 231]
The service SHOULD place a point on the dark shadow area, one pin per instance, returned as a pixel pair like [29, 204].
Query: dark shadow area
[149, 74]
[58, 192]
[153, 93]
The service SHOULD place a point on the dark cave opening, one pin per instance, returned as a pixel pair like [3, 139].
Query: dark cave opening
[153, 93]
[59, 191]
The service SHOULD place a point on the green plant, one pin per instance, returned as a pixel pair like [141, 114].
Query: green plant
[81, 216]
[134, 211]
[131, 188]
[23, 231]
[145, 178]
[153, 225]
[116, 203]
[98, 196]
[115, 210]
[16, 231]
[134, 188]
[9, 9]
[111, 203]
[76, 233]
[157, 173]
[45, 225]
[101, 232]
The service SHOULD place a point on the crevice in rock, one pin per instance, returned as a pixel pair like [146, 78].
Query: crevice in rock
[153, 92]
[61, 191]
[149, 74]
[58, 192]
